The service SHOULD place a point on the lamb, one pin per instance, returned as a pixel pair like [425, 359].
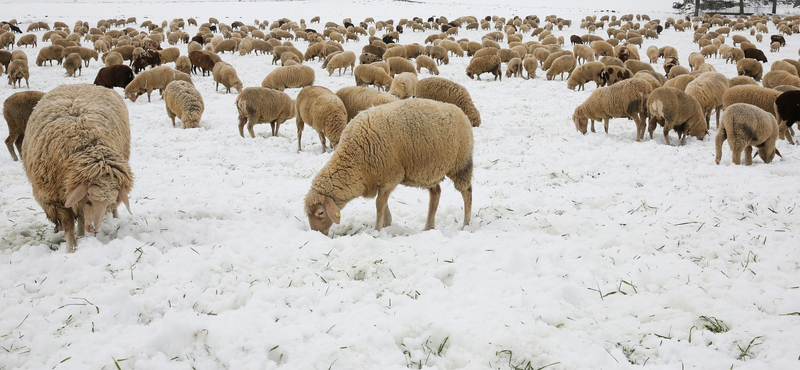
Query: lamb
[260, 105]
[77, 163]
[49, 54]
[675, 109]
[289, 77]
[777, 78]
[359, 98]
[489, 63]
[399, 65]
[590, 71]
[183, 64]
[746, 126]
[709, 88]
[424, 61]
[787, 111]
[342, 61]
[627, 98]
[114, 76]
[225, 74]
[749, 67]
[321, 109]
[447, 91]
[371, 75]
[16, 110]
[379, 151]
[17, 70]
[182, 100]
[404, 85]
[564, 63]
[149, 80]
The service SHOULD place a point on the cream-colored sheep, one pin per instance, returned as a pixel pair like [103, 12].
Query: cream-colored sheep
[627, 99]
[779, 77]
[783, 65]
[552, 57]
[380, 150]
[113, 58]
[17, 70]
[404, 85]
[602, 48]
[29, 39]
[73, 63]
[369, 74]
[709, 88]
[590, 71]
[49, 54]
[260, 105]
[709, 50]
[676, 71]
[321, 109]
[679, 82]
[583, 53]
[16, 110]
[225, 74]
[695, 60]
[489, 63]
[447, 91]
[741, 80]
[85, 53]
[746, 126]
[341, 61]
[652, 53]
[170, 55]
[77, 163]
[749, 67]
[399, 65]
[289, 77]
[734, 56]
[149, 80]
[775, 47]
[761, 97]
[182, 100]
[674, 109]
[637, 65]
[182, 64]
[514, 68]
[530, 63]
[649, 76]
[359, 98]
[424, 61]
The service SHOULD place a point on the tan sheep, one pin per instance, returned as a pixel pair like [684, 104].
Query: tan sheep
[602, 48]
[529, 63]
[225, 74]
[637, 65]
[695, 60]
[424, 61]
[779, 77]
[741, 80]
[583, 53]
[590, 71]
[674, 109]
[783, 65]
[379, 151]
[775, 47]
[489, 63]
[734, 56]
[514, 68]
[369, 74]
[404, 85]
[260, 105]
[78, 163]
[170, 55]
[17, 70]
[16, 110]
[652, 53]
[73, 63]
[113, 58]
[49, 54]
[321, 109]
[399, 65]
[341, 61]
[359, 98]
[289, 77]
[182, 63]
[149, 80]
[627, 99]
[709, 88]
[761, 97]
[552, 57]
[29, 39]
[447, 91]
[676, 71]
[749, 67]
[650, 77]
[746, 126]
[564, 63]
[679, 82]
[182, 100]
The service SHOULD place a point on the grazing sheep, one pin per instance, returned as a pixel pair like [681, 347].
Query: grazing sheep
[583, 53]
[183, 64]
[29, 39]
[590, 71]
[602, 48]
[741, 80]
[77, 163]
[359, 98]
[289, 77]
[761, 97]
[637, 65]
[695, 60]
[613, 74]
[260, 105]
[514, 68]
[679, 82]
[734, 55]
[341, 61]
[676, 71]
[777, 78]
[755, 54]
[652, 53]
[564, 63]
[49, 54]
[149, 80]
[399, 65]
[529, 63]
[112, 58]
[784, 65]
[367, 58]
[225, 74]
[182, 100]
[774, 47]
[379, 151]
[674, 109]
[749, 67]
[404, 85]
[85, 53]
[627, 98]
[170, 55]
[321, 109]
[369, 74]
[709, 88]
[424, 61]
[114, 76]
[72, 63]
[204, 60]
[787, 111]
[746, 126]
[16, 110]
[17, 70]
[489, 63]
[552, 57]
[650, 77]
[447, 91]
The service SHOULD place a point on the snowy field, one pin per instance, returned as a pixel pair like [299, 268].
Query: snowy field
[584, 252]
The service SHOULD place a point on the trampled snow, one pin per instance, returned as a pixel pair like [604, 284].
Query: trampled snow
[584, 251]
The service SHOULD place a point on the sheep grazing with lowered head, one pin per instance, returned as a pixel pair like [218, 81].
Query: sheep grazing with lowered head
[114, 76]
[76, 151]
[16, 110]
[260, 105]
[225, 74]
[674, 109]
[289, 77]
[484, 64]
[379, 150]
[746, 126]
[370, 74]
[17, 70]
[708, 88]
[447, 91]
[360, 98]
[321, 109]
[589, 71]
[404, 85]
[627, 99]
[149, 80]
[182, 100]
[787, 111]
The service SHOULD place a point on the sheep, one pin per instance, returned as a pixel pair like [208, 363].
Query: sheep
[321, 109]
[359, 98]
[17, 108]
[77, 163]
[29, 39]
[404, 85]
[183, 64]
[72, 63]
[371, 75]
[149, 80]
[627, 98]
[529, 63]
[777, 78]
[204, 60]
[290, 59]
[761, 97]
[85, 53]
[652, 53]
[114, 76]
[679, 82]
[260, 105]
[169, 55]
[489, 63]
[399, 65]
[695, 60]
[709, 88]
[741, 80]
[447, 91]
[7, 40]
[112, 58]
[439, 54]
[788, 65]
[184, 101]
[637, 65]
[424, 61]
[590, 71]
[583, 53]
[787, 111]
[709, 50]
[564, 63]
[755, 54]
[749, 67]
[774, 47]
[676, 71]
[552, 57]
[602, 48]
[342, 61]
[675, 109]
[49, 54]
[746, 126]
[613, 74]
[379, 150]
[289, 77]
[225, 73]
[367, 58]
[17, 70]
[650, 77]
[514, 68]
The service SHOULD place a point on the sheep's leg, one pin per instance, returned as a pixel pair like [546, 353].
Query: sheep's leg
[593, 126]
[605, 125]
[171, 115]
[242, 122]
[433, 204]
[651, 127]
[274, 131]
[748, 154]
[666, 135]
[149, 90]
[81, 225]
[718, 141]
[322, 140]
[300, 125]
[381, 206]
[10, 144]
[66, 221]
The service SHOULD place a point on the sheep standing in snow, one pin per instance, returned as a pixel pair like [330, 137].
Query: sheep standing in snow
[260, 105]
[404, 85]
[746, 126]
[16, 110]
[484, 64]
[182, 100]
[225, 74]
[321, 109]
[675, 109]
[623, 99]
[444, 90]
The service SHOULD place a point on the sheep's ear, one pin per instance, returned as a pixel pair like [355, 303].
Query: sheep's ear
[76, 195]
[123, 197]
[778, 153]
[332, 210]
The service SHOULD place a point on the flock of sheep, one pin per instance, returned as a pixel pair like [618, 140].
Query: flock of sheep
[75, 139]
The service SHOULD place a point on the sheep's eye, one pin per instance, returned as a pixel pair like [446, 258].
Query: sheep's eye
[320, 214]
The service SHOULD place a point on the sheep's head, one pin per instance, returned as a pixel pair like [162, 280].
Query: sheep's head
[132, 96]
[580, 123]
[238, 86]
[322, 212]
[767, 153]
[95, 200]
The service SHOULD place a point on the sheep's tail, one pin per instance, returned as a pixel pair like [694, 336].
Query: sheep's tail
[242, 105]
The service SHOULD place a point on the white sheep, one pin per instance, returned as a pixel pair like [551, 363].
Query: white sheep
[182, 100]
[260, 105]
[674, 109]
[447, 91]
[626, 98]
[746, 126]
[289, 77]
[76, 150]
[225, 73]
[404, 85]
[321, 109]
[380, 150]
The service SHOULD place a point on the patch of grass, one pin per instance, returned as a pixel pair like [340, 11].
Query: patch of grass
[714, 325]
[522, 364]
[744, 353]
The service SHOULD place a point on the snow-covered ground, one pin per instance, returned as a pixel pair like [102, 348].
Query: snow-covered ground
[584, 252]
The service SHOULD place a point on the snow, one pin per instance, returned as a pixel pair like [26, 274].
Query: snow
[584, 251]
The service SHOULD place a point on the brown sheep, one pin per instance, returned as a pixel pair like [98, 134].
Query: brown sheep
[16, 110]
